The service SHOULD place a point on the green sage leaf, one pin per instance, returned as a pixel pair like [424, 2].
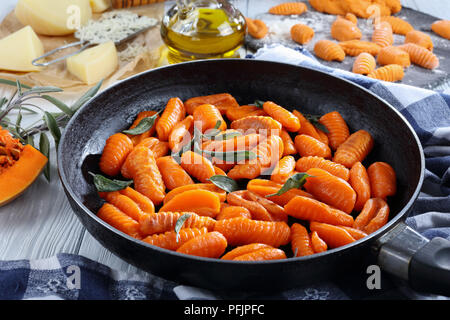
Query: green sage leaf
[224, 183]
[52, 125]
[44, 148]
[231, 156]
[39, 90]
[13, 83]
[179, 224]
[144, 125]
[86, 97]
[296, 181]
[104, 184]
[59, 104]
[258, 103]
[315, 121]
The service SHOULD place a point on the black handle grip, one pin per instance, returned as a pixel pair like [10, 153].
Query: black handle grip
[429, 268]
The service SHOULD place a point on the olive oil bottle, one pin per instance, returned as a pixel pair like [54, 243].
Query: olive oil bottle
[202, 29]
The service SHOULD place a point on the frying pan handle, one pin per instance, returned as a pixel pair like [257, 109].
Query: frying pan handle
[429, 268]
[408, 255]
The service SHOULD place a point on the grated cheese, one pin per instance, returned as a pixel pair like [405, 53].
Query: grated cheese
[113, 26]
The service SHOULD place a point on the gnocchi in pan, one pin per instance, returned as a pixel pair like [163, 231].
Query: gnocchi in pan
[217, 179]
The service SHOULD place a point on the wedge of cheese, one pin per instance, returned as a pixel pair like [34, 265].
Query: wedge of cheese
[100, 5]
[18, 50]
[53, 18]
[94, 64]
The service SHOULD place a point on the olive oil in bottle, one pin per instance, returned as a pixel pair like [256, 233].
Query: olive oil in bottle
[202, 29]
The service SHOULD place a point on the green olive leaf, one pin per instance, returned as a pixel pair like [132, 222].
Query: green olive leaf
[179, 224]
[104, 184]
[144, 125]
[224, 183]
[296, 181]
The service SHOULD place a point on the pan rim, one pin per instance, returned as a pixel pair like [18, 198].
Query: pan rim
[391, 223]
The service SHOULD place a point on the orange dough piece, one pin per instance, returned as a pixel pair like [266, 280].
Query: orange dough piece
[144, 203]
[441, 28]
[359, 180]
[364, 64]
[420, 38]
[159, 148]
[390, 73]
[119, 220]
[204, 186]
[168, 240]
[329, 50]
[181, 133]
[355, 47]
[351, 17]
[257, 124]
[288, 143]
[240, 250]
[283, 116]
[276, 211]
[313, 210]
[257, 210]
[239, 112]
[309, 146]
[330, 189]
[206, 117]
[233, 212]
[399, 26]
[382, 34]
[373, 216]
[116, 150]
[393, 55]
[306, 127]
[174, 112]
[123, 203]
[354, 149]
[221, 101]
[421, 56]
[283, 170]
[142, 168]
[383, 181]
[344, 30]
[300, 241]
[305, 163]
[334, 236]
[172, 173]
[263, 255]
[301, 33]
[256, 28]
[161, 222]
[209, 245]
[242, 231]
[317, 243]
[264, 188]
[338, 130]
[197, 166]
[269, 151]
[355, 233]
[202, 202]
[289, 8]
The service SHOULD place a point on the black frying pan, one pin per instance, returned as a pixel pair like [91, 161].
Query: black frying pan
[395, 247]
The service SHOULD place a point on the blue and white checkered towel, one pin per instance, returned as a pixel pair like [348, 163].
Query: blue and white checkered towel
[68, 276]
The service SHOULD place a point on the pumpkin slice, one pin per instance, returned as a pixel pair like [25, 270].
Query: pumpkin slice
[15, 179]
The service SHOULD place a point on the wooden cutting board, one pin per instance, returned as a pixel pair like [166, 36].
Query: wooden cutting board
[279, 27]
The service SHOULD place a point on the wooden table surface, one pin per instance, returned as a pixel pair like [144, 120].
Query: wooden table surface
[41, 223]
